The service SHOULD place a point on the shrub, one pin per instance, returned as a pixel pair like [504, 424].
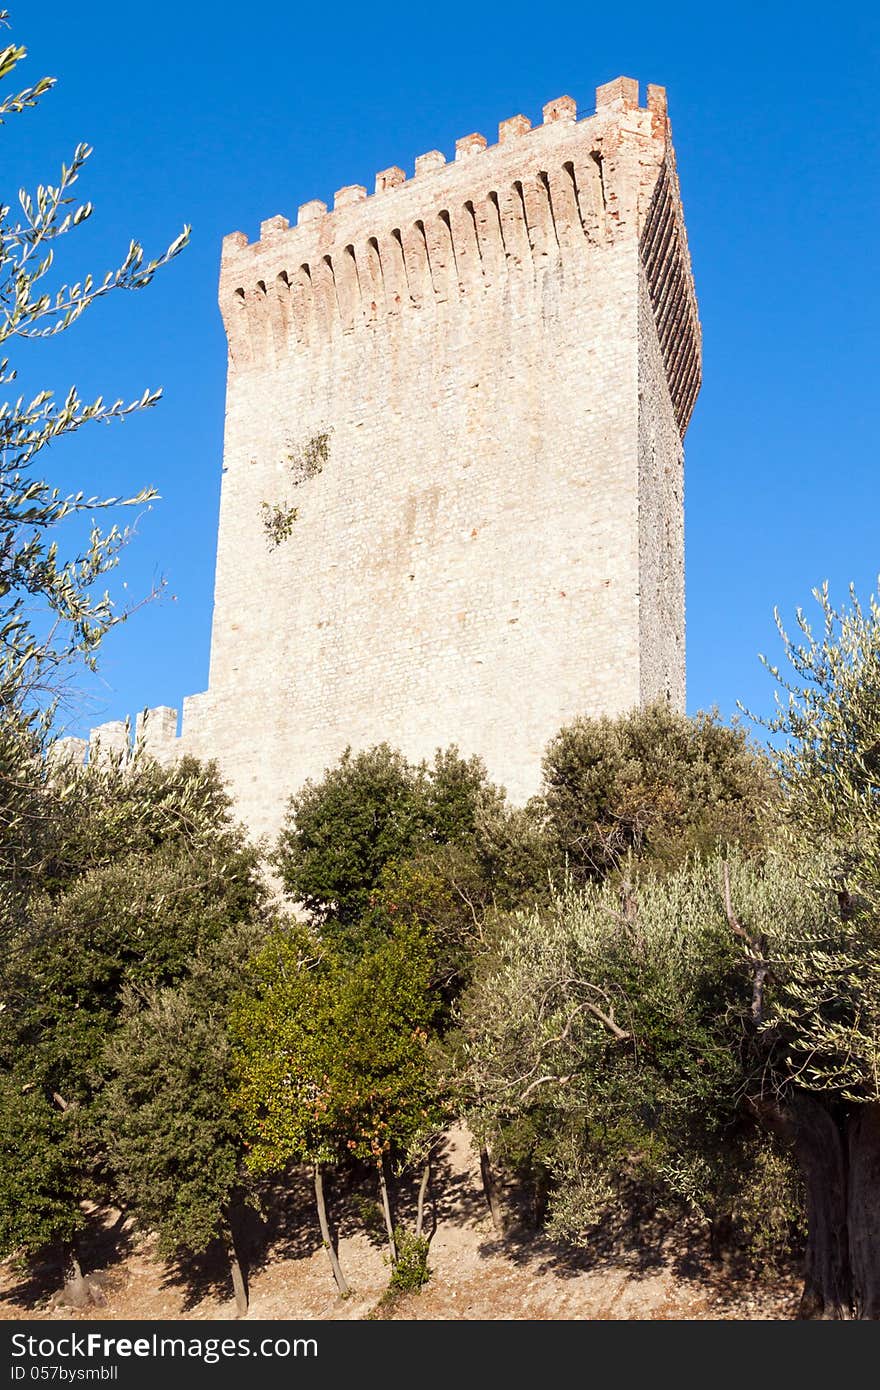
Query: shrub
[410, 1272]
[371, 810]
[610, 1042]
[651, 783]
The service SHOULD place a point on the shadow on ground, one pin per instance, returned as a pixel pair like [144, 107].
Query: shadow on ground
[283, 1227]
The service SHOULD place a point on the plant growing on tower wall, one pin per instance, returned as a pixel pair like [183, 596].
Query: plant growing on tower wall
[278, 520]
[306, 461]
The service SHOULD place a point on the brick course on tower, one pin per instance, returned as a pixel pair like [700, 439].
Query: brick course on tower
[466, 395]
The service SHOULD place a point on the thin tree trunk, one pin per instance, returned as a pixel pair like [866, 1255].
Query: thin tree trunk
[423, 1192]
[72, 1267]
[822, 1159]
[386, 1209]
[341, 1282]
[491, 1190]
[239, 1279]
[863, 1209]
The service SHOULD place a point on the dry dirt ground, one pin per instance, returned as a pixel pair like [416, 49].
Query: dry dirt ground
[474, 1275]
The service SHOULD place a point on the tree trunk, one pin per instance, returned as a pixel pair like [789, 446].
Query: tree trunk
[386, 1209]
[822, 1159]
[423, 1192]
[239, 1278]
[837, 1146]
[341, 1282]
[863, 1209]
[76, 1292]
[491, 1190]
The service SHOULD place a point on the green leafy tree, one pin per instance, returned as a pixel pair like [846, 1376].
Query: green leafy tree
[65, 819]
[97, 815]
[441, 893]
[334, 1059]
[458, 797]
[652, 783]
[281, 1032]
[372, 809]
[451, 891]
[24, 778]
[52, 610]
[136, 922]
[803, 934]
[172, 1140]
[40, 1188]
[385, 1087]
[827, 737]
[516, 859]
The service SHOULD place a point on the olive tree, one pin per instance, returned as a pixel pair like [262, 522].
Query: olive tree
[50, 608]
[667, 1025]
[825, 984]
[650, 783]
[604, 1046]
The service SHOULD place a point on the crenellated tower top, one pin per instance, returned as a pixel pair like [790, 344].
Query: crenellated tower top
[494, 214]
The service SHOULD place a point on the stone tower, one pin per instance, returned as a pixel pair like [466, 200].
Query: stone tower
[463, 400]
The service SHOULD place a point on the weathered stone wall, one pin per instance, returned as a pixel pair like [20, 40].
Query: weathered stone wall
[661, 526]
[500, 355]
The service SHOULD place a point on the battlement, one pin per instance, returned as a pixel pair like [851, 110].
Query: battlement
[496, 215]
[153, 735]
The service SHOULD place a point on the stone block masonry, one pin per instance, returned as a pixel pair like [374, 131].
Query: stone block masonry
[452, 499]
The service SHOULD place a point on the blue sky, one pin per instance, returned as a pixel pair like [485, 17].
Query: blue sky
[223, 116]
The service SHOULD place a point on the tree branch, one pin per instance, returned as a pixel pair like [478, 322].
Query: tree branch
[757, 947]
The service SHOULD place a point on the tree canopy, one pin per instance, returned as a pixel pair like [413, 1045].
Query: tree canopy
[651, 783]
[372, 809]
